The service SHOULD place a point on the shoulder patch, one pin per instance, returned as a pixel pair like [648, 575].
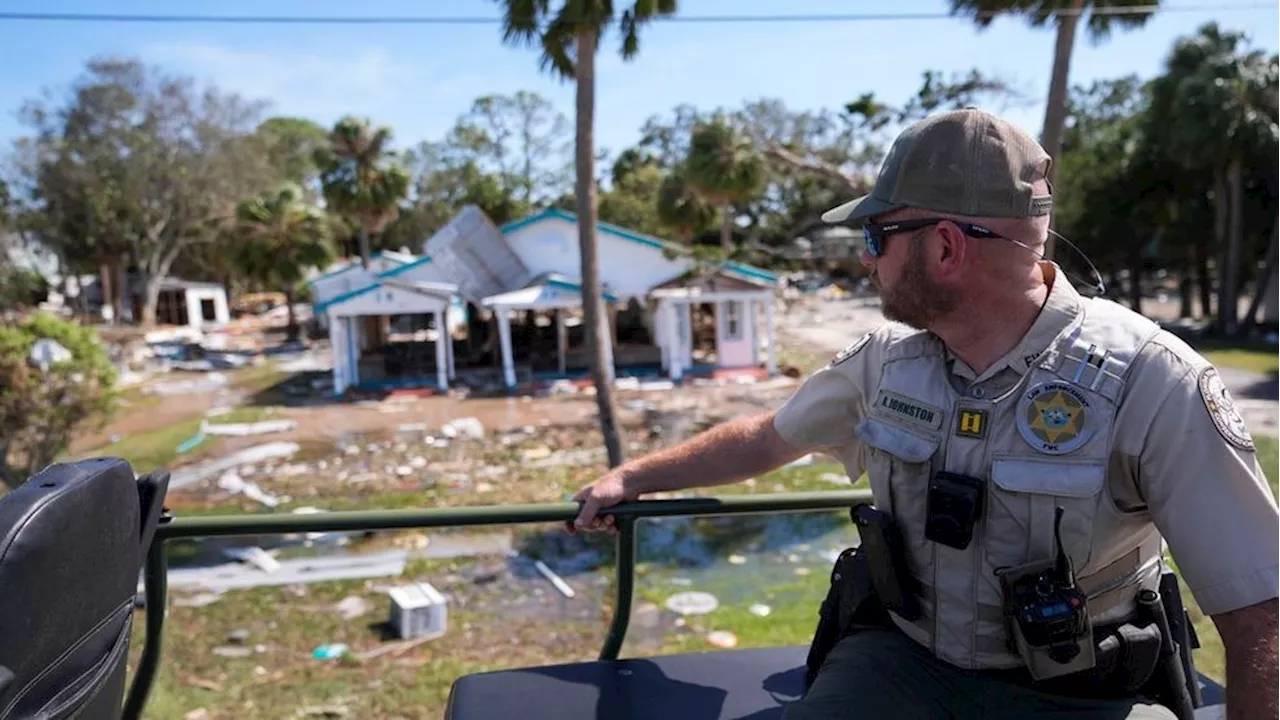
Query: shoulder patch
[850, 351]
[1222, 409]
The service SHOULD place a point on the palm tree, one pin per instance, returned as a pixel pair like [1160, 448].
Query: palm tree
[680, 208]
[280, 237]
[1224, 100]
[1067, 14]
[724, 169]
[359, 178]
[568, 38]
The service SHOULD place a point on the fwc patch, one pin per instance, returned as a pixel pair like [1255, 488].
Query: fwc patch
[1055, 418]
[909, 409]
[971, 423]
[850, 351]
[1222, 409]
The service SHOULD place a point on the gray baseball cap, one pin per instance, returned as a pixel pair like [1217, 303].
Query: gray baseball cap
[964, 162]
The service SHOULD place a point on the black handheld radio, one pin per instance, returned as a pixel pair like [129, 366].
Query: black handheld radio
[1049, 609]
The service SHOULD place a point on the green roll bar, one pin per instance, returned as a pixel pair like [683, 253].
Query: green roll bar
[626, 515]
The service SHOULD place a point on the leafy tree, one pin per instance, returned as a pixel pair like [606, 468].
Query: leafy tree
[282, 236]
[1067, 15]
[359, 178]
[568, 38]
[291, 144]
[681, 208]
[40, 410]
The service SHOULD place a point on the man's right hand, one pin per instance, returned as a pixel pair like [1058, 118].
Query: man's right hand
[607, 491]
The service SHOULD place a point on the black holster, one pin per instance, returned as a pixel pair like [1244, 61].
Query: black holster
[1147, 657]
[851, 603]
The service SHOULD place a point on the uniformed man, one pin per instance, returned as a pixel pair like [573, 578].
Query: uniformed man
[996, 371]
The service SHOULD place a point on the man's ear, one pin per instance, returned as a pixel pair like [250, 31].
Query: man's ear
[953, 248]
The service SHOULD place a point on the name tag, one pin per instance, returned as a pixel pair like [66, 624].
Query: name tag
[909, 410]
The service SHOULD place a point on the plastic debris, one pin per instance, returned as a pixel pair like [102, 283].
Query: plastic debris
[330, 651]
[760, 610]
[692, 603]
[555, 579]
[722, 639]
[737, 560]
[46, 353]
[352, 607]
[258, 428]
[255, 556]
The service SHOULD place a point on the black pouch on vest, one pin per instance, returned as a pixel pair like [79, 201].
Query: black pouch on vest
[887, 561]
[955, 505]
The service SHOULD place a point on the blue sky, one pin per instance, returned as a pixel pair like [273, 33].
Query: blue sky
[418, 78]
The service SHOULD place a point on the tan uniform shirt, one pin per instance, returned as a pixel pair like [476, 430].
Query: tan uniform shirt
[1191, 471]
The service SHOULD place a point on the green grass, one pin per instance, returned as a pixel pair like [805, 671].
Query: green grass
[158, 448]
[1241, 359]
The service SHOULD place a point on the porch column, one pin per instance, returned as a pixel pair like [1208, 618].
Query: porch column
[562, 341]
[442, 359]
[772, 365]
[504, 340]
[686, 336]
[675, 358]
[339, 351]
[751, 326]
[448, 345]
[354, 335]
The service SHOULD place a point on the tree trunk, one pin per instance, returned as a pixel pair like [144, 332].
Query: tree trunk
[1055, 109]
[120, 281]
[726, 228]
[593, 321]
[1186, 293]
[1200, 252]
[364, 246]
[1135, 279]
[150, 298]
[291, 331]
[1265, 279]
[1229, 303]
[107, 285]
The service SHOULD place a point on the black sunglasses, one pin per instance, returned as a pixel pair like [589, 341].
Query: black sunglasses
[877, 233]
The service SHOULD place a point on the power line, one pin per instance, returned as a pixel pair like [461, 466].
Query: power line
[446, 20]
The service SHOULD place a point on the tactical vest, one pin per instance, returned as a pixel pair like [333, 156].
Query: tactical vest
[1043, 444]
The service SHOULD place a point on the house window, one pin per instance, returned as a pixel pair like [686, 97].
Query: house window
[733, 320]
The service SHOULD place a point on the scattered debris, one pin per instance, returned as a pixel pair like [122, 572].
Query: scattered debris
[211, 382]
[802, 461]
[198, 600]
[555, 579]
[190, 444]
[255, 556]
[238, 637]
[468, 427]
[692, 603]
[395, 649]
[227, 651]
[297, 571]
[760, 610]
[330, 651]
[45, 353]
[722, 639]
[352, 607]
[835, 478]
[418, 610]
[199, 713]
[737, 560]
[236, 485]
[193, 681]
[248, 456]
[264, 427]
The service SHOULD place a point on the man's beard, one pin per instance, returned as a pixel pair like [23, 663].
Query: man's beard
[915, 300]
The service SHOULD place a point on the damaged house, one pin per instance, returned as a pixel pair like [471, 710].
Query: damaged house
[510, 302]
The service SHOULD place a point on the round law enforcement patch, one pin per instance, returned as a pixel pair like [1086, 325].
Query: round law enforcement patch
[1055, 417]
[1223, 410]
[850, 351]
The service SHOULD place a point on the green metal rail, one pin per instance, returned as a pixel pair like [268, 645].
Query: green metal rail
[626, 515]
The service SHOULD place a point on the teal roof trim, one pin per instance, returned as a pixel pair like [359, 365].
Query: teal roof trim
[355, 263]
